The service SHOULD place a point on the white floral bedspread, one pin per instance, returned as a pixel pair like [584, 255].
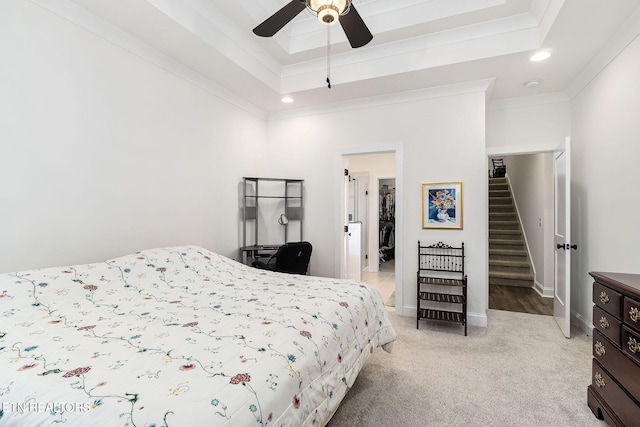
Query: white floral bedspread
[181, 337]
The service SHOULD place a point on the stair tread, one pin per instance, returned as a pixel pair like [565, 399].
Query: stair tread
[508, 263]
[511, 275]
[521, 252]
[508, 257]
[523, 283]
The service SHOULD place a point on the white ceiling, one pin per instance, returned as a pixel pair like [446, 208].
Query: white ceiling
[417, 44]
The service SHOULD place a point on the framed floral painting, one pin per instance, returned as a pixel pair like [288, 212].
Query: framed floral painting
[442, 205]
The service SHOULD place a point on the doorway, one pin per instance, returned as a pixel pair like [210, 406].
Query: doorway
[516, 282]
[371, 202]
[384, 278]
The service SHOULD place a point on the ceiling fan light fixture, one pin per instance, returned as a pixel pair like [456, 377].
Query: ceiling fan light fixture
[328, 11]
[328, 14]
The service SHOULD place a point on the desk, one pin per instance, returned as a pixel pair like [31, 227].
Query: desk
[256, 251]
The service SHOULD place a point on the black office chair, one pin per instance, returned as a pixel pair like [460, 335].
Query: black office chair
[292, 257]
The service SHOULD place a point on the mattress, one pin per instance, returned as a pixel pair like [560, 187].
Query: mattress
[181, 336]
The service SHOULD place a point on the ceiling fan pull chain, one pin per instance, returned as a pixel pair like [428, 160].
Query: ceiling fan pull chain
[328, 57]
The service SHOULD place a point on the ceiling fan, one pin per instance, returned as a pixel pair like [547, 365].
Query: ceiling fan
[327, 11]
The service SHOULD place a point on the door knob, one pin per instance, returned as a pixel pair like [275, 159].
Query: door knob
[567, 246]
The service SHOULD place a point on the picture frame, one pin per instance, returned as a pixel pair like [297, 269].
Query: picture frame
[442, 205]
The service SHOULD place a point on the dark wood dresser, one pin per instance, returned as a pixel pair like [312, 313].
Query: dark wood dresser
[614, 392]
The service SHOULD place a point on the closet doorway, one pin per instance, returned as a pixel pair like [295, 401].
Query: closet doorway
[372, 203]
[385, 277]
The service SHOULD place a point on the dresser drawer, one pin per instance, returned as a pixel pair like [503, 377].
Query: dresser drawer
[607, 324]
[624, 406]
[621, 367]
[631, 313]
[607, 299]
[631, 343]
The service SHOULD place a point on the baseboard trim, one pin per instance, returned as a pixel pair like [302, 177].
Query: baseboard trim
[477, 319]
[582, 323]
[543, 291]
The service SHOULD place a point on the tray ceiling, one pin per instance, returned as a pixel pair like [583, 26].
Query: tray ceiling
[417, 44]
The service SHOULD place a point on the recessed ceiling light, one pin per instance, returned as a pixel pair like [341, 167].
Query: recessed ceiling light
[532, 83]
[540, 56]
[287, 99]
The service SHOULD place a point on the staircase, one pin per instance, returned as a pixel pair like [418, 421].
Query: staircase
[509, 262]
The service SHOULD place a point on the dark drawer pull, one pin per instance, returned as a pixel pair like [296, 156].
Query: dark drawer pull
[634, 346]
[604, 297]
[599, 349]
[634, 314]
[599, 380]
[604, 323]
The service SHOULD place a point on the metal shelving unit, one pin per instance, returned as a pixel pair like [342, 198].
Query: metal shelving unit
[255, 194]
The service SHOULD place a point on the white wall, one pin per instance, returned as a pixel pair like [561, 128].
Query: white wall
[528, 125]
[606, 176]
[433, 133]
[103, 153]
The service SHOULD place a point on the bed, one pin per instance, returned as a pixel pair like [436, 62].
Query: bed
[181, 336]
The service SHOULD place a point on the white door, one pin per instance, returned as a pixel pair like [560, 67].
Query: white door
[354, 271]
[360, 189]
[345, 225]
[562, 239]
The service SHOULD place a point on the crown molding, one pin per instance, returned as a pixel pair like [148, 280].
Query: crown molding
[88, 21]
[528, 101]
[382, 100]
[627, 33]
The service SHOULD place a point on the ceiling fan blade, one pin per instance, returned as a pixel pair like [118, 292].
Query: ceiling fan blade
[275, 22]
[355, 28]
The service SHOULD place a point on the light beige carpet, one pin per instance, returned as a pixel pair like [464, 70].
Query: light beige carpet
[520, 371]
[391, 302]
